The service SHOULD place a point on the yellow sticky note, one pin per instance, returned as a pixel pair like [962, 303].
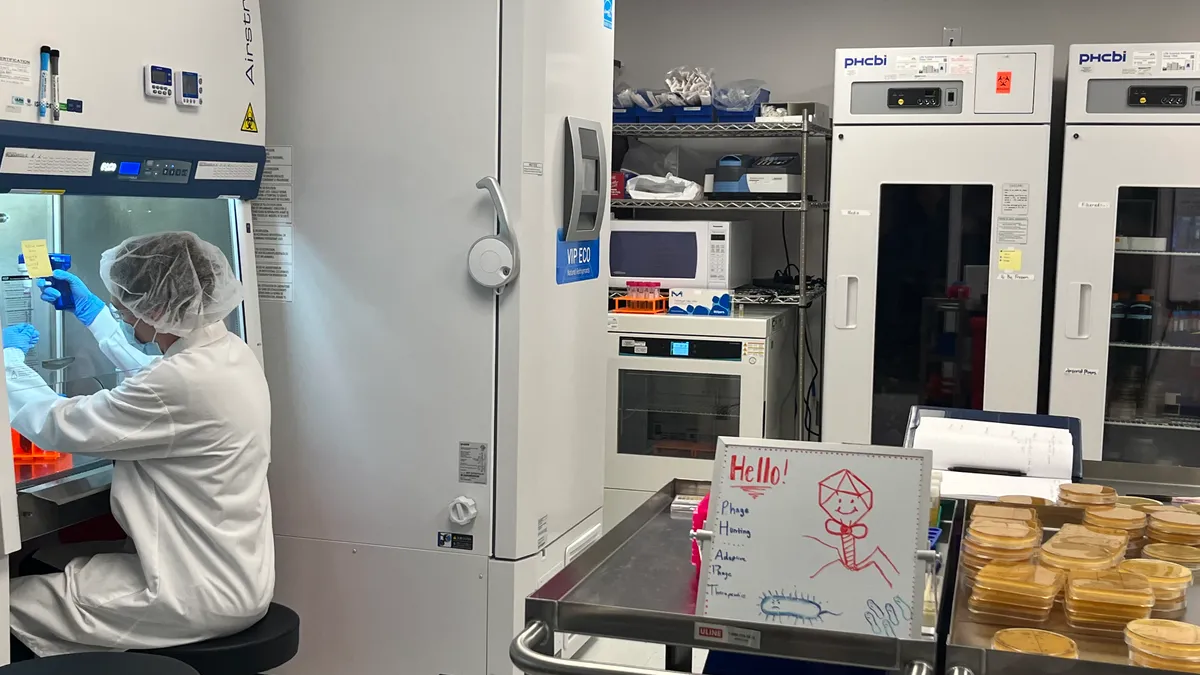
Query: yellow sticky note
[1010, 260]
[37, 257]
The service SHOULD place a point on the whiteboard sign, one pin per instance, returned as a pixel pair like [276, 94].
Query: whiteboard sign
[820, 535]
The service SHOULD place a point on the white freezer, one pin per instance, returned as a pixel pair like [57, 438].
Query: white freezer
[400, 386]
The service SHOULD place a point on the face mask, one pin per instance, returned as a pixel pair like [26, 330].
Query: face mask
[147, 348]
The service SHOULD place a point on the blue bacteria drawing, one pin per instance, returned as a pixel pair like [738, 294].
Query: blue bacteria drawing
[794, 608]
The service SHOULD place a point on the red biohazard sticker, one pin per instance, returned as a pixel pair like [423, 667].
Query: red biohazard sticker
[1004, 82]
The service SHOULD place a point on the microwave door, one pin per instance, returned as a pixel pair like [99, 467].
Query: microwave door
[672, 258]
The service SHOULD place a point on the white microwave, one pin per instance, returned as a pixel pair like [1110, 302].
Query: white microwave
[679, 253]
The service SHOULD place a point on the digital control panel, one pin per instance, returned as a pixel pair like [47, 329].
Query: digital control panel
[159, 81]
[190, 89]
[148, 171]
[914, 97]
[1161, 96]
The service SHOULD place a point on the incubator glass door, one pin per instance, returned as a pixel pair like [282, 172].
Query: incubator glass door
[931, 302]
[1152, 407]
[676, 414]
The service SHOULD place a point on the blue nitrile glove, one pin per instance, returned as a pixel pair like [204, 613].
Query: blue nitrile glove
[21, 336]
[87, 305]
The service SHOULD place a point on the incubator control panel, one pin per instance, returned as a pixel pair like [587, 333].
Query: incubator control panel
[1134, 83]
[944, 85]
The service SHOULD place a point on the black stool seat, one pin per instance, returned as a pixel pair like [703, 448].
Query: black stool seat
[100, 663]
[268, 644]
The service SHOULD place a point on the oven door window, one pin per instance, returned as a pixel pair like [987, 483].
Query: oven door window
[669, 414]
[653, 255]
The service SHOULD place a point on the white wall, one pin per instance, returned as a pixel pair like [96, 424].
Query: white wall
[790, 45]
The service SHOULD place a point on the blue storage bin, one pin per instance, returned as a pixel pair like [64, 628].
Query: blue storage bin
[663, 116]
[694, 114]
[744, 116]
[624, 115]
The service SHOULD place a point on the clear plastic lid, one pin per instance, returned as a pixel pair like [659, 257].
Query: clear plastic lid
[998, 512]
[1092, 623]
[1033, 641]
[1176, 522]
[1188, 556]
[1025, 579]
[1109, 587]
[1118, 517]
[1134, 501]
[1009, 614]
[1003, 533]
[990, 553]
[1155, 508]
[1160, 573]
[1160, 537]
[1024, 500]
[1164, 638]
[1114, 532]
[1194, 508]
[1004, 598]
[1116, 540]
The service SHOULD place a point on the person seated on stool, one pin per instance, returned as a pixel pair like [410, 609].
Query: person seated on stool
[189, 436]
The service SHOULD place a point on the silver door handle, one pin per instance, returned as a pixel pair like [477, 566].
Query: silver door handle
[960, 670]
[494, 260]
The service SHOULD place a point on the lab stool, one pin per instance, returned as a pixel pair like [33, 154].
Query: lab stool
[100, 663]
[268, 644]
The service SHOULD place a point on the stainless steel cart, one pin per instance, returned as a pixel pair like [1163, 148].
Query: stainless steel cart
[635, 584]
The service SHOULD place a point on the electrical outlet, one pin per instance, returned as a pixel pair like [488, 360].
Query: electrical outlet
[951, 37]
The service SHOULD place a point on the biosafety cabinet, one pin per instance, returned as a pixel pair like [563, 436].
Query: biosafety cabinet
[936, 234]
[1126, 355]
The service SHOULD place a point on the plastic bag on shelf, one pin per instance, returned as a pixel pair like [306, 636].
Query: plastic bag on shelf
[739, 96]
[622, 95]
[667, 187]
[642, 158]
[693, 85]
[651, 99]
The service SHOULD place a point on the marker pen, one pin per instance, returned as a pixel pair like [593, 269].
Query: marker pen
[54, 112]
[44, 86]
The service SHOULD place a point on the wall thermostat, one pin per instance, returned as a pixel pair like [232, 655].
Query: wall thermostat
[159, 82]
[190, 89]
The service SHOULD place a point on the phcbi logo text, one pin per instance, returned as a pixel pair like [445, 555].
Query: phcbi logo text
[1109, 57]
[852, 62]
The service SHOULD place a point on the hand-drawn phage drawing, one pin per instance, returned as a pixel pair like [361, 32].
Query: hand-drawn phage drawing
[846, 499]
[794, 608]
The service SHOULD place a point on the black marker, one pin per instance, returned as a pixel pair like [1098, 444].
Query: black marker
[54, 84]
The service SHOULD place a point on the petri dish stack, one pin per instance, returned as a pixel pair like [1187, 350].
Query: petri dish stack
[1024, 500]
[1155, 508]
[1170, 582]
[1075, 548]
[1164, 644]
[1119, 520]
[1174, 527]
[1034, 641]
[990, 540]
[1016, 593]
[1188, 556]
[1083, 495]
[1106, 600]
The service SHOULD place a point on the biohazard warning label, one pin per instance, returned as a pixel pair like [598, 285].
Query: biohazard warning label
[248, 123]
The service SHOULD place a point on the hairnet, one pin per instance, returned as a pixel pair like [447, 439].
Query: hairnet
[175, 281]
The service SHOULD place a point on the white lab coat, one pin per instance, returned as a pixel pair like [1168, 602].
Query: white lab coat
[190, 438]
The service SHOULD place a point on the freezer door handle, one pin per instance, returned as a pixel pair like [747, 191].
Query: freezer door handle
[1080, 328]
[846, 292]
[494, 260]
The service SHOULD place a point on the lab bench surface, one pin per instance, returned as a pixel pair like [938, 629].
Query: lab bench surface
[62, 494]
[635, 583]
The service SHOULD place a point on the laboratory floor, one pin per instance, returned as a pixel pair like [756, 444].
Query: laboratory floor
[640, 654]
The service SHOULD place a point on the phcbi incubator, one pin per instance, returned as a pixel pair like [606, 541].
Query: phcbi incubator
[94, 149]
[1126, 350]
[936, 234]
